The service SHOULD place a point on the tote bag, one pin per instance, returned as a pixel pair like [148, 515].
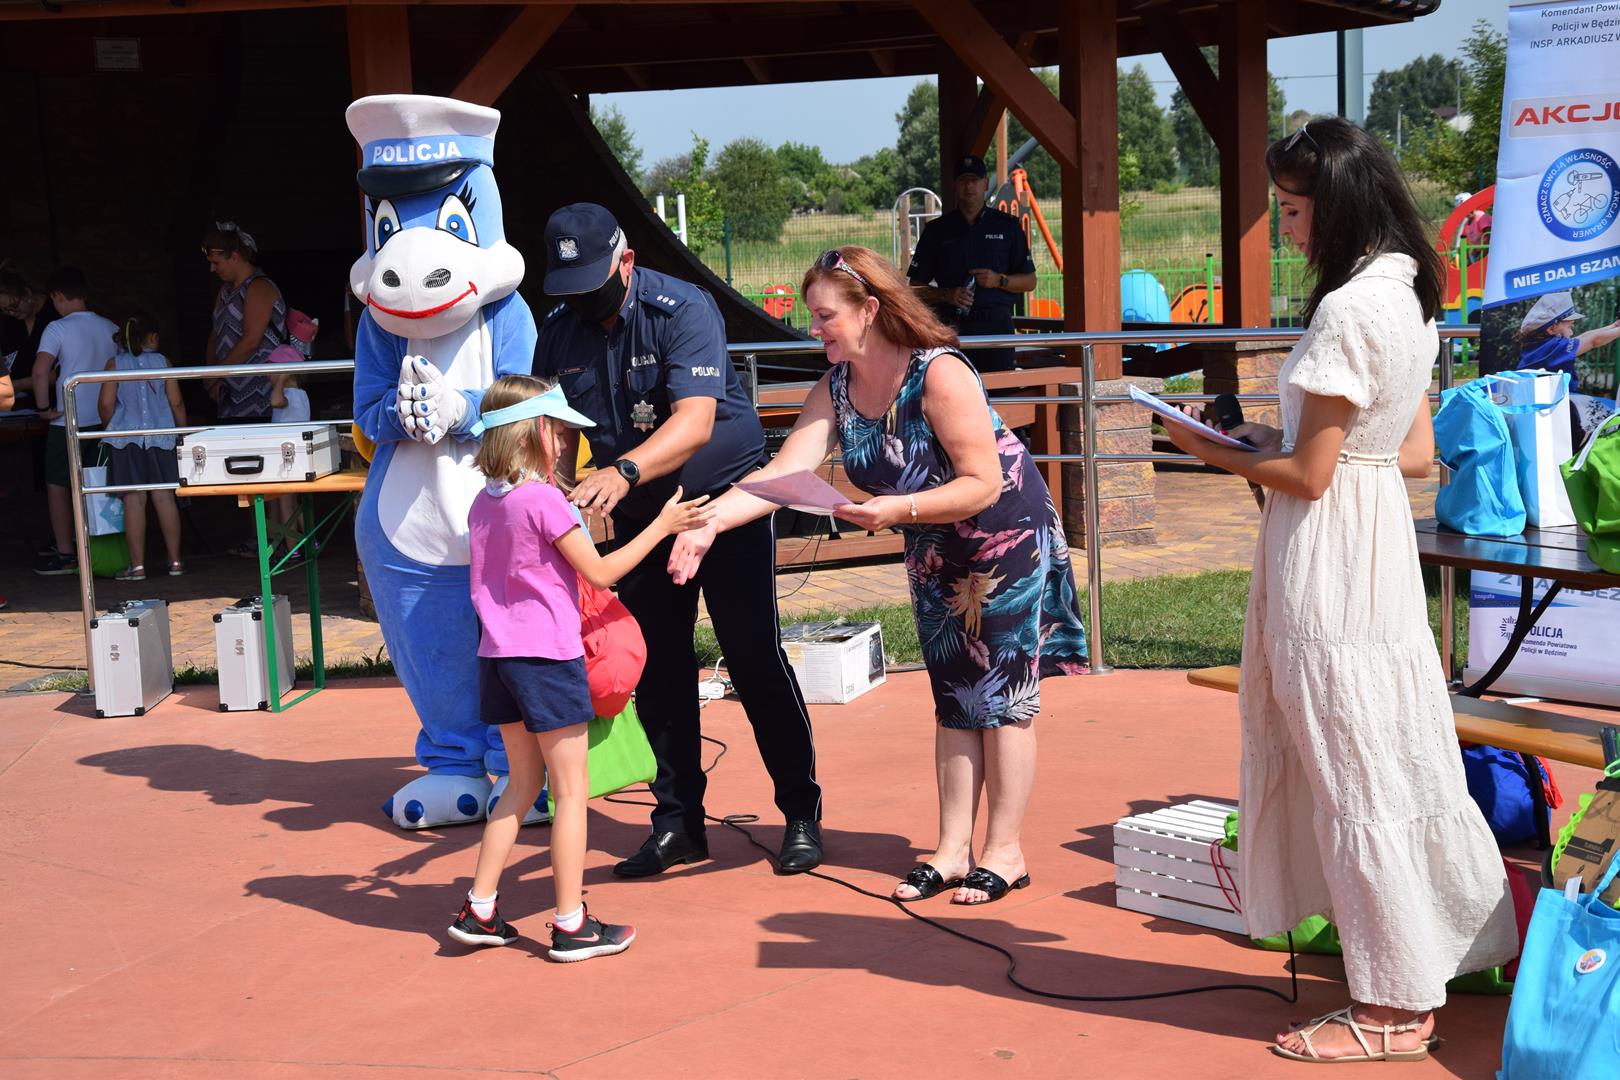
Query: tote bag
[615, 651]
[103, 514]
[619, 755]
[1562, 1023]
[1471, 432]
[1538, 417]
[1593, 483]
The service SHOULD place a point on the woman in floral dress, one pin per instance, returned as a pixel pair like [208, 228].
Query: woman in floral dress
[992, 588]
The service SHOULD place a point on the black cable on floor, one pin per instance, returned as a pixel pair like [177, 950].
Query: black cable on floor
[737, 821]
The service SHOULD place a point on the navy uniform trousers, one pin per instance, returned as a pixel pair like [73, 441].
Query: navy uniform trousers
[738, 581]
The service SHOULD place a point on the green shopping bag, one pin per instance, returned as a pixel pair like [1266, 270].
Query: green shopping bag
[108, 554]
[619, 755]
[1592, 479]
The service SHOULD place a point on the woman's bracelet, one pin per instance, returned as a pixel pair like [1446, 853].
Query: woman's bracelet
[912, 500]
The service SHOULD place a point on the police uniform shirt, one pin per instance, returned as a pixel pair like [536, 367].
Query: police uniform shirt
[1554, 354]
[949, 247]
[668, 344]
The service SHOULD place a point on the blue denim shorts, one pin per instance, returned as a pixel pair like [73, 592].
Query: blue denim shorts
[540, 694]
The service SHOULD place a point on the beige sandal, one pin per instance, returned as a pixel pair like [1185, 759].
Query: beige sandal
[1346, 1016]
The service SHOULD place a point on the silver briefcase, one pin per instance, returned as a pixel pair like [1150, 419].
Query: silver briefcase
[257, 454]
[244, 681]
[131, 658]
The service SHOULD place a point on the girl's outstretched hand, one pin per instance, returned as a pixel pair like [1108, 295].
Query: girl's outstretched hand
[677, 516]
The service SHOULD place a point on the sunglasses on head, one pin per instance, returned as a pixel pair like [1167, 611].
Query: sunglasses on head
[1303, 132]
[832, 260]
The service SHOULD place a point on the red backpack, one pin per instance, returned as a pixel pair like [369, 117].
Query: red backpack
[615, 651]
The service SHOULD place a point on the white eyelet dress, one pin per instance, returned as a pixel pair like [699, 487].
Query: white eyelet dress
[1353, 803]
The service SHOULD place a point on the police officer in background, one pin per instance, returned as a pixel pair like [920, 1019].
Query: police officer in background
[644, 356]
[971, 264]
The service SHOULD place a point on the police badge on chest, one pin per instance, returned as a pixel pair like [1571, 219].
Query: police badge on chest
[642, 416]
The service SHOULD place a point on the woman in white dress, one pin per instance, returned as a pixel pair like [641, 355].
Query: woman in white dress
[1352, 800]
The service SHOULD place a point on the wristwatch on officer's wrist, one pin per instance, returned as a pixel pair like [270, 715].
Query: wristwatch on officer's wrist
[629, 470]
[1002, 284]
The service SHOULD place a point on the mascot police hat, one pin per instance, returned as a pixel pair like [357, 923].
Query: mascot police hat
[410, 143]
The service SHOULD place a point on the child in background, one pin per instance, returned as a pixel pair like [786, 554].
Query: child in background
[290, 405]
[528, 553]
[145, 459]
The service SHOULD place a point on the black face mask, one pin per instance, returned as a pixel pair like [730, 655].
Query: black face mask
[600, 303]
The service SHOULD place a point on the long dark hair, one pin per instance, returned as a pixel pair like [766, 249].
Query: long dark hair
[902, 318]
[132, 334]
[1360, 207]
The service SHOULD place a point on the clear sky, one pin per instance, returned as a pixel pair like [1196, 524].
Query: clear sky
[849, 119]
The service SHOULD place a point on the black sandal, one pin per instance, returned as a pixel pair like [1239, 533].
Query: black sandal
[992, 884]
[927, 881]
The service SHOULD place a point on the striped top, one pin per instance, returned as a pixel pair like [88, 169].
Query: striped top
[248, 396]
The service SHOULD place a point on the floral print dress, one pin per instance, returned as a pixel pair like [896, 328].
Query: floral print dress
[994, 595]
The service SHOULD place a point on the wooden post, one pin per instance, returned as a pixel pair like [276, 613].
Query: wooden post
[1245, 189]
[379, 50]
[1089, 89]
[958, 92]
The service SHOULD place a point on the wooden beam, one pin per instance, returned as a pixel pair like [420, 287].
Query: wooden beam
[1245, 188]
[757, 68]
[883, 60]
[379, 50]
[956, 90]
[510, 53]
[973, 39]
[1201, 85]
[1089, 88]
[987, 111]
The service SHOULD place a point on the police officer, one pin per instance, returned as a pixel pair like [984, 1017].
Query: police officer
[643, 355]
[978, 244]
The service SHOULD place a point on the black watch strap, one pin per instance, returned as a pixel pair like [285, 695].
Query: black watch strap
[628, 470]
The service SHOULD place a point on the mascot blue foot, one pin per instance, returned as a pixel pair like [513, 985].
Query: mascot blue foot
[431, 801]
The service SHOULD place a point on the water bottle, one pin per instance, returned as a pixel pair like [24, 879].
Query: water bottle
[971, 286]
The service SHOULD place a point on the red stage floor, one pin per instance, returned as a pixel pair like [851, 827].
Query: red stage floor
[192, 894]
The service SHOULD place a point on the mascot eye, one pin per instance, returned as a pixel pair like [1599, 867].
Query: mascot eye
[384, 224]
[456, 219]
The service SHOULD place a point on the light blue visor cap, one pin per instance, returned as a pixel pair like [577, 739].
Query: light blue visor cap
[552, 403]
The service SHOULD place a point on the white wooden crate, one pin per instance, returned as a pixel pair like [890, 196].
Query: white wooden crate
[1162, 865]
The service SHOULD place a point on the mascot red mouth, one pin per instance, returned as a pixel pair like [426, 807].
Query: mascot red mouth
[425, 313]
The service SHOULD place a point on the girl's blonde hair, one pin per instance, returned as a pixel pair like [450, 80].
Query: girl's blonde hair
[511, 452]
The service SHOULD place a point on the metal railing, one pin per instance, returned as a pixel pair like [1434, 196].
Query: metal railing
[748, 353]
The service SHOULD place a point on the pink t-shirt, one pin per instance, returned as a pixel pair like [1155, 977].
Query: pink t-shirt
[526, 594]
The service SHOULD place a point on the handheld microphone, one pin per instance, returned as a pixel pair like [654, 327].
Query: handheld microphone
[1228, 415]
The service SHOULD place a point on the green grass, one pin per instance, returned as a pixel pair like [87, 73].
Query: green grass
[1173, 621]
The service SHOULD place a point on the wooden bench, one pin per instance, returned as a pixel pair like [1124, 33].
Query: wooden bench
[1493, 723]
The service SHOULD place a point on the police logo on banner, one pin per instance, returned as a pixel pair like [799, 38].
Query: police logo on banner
[1577, 197]
[567, 248]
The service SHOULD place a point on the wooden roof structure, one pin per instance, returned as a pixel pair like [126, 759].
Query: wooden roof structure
[475, 51]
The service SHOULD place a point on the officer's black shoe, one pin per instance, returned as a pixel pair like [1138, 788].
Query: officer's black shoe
[801, 848]
[662, 851]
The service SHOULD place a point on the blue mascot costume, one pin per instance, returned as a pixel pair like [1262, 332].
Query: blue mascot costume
[442, 321]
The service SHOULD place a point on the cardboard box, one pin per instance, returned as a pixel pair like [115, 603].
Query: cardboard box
[835, 662]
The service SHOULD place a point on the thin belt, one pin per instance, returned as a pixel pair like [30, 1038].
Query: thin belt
[1346, 457]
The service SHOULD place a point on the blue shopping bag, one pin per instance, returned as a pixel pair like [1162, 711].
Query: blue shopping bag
[1564, 1023]
[1471, 433]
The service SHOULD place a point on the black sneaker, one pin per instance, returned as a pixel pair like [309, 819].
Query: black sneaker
[56, 565]
[469, 929]
[593, 938]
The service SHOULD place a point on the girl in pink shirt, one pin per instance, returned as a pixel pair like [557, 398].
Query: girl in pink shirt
[528, 553]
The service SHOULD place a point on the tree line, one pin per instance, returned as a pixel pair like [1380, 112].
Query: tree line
[753, 188]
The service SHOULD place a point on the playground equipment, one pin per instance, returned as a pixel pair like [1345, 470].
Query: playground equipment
[1464, 290]
[1197, 303]
[913, 208]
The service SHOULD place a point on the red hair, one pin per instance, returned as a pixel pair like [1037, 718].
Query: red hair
[902, 316]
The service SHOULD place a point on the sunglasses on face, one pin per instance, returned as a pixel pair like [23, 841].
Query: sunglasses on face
[1303, 132]
[832, 260]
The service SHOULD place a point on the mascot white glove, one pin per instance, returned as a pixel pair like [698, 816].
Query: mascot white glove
[428, 407]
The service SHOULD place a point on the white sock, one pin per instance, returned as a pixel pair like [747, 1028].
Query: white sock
[483, 908]
[570, 922]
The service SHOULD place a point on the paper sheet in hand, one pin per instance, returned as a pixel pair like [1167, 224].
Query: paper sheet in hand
[802, 490]
[1176, 416]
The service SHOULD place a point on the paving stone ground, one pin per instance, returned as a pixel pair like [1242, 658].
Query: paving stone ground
[1206, 521]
